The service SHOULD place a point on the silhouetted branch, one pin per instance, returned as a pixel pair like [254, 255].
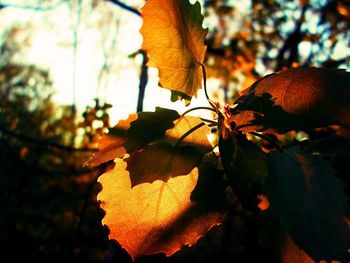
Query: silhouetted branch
[125, 6]
[143, 81]
[30, 139]
[33, 8]
[291, 44]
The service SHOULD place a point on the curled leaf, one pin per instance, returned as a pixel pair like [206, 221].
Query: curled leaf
[153, 218]
[173, 38]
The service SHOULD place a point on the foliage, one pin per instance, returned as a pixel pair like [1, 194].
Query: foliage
[161, 156]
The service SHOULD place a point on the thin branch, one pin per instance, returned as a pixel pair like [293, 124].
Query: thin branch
[205, 82]
[198, 108]
[267, 139]
[126, 7]
[209, 121]
[143, 81]
[212, 104]
[291, 43]
[30, 139]
[32, 8]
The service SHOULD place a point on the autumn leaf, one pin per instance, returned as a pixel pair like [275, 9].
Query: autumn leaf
[295, 99]
[148, 127]
[152, 218]
[310, 201]
[173, 38]
[196, 133]
[111, 145]
[132, 134]
[173, 155]
[161, 161]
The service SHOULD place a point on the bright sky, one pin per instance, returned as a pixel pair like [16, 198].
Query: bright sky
[105, 33]
[104, 28]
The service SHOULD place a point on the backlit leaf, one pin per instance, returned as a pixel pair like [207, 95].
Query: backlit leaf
[173, 38]
[133, 134]
[310, 200]
[198, 137]
[161, 161]
[148, 127]
[295, 99]
[167, 158]
[111, 145]
[152, 218]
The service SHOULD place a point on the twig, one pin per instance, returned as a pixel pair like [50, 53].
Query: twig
[30, 139]
[126, 7]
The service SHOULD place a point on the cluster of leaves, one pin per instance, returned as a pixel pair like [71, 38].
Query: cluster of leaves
[169, 184]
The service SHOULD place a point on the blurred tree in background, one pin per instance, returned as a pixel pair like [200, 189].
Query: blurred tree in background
[49, 207]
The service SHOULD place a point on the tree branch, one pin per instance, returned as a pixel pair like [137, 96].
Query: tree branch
[291, 44]
[33, 8]
[126, 7]
[30, 139]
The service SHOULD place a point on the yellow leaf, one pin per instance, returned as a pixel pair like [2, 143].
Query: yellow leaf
[153, 218]
[173, 38]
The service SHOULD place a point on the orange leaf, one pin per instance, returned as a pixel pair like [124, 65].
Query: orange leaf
[196, 138]
[152, 218]
[111, 145]
[171, 156]
[173, 37]
[161, 161]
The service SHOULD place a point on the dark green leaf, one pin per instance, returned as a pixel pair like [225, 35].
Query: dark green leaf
[311, 203]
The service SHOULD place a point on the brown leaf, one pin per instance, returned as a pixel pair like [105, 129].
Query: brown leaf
[152, 218]
[161, 161]
[133, 134]
[149, 127]
[172, 156]
[300, 98]
[111, 145]
[198, 137]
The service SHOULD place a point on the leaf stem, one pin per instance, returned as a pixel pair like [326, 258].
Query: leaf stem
[210, 121]
[198, 108]
[188, 133]
[205, 88]
[268, 140]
